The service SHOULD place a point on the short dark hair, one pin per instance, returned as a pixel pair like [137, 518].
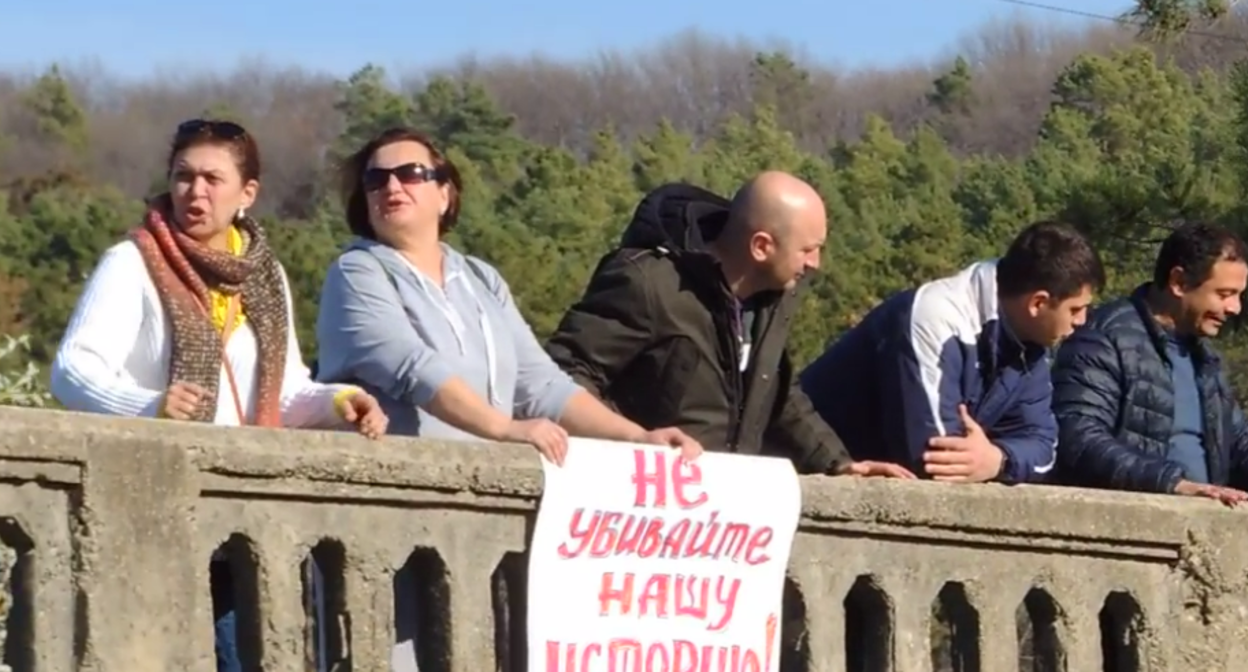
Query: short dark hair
[1195, 247]
[222, 133]
[355, 198]
[1052, 257]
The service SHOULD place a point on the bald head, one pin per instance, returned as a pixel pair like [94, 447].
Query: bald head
[779, 223]
[771, 202]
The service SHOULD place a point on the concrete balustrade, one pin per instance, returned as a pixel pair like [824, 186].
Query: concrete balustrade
[109, 525]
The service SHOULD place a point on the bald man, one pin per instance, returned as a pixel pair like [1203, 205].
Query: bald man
[686, 323]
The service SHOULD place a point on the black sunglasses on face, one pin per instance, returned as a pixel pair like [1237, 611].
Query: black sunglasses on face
[222, 130]
[375, 179]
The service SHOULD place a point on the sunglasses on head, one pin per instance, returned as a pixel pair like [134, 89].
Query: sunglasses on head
[375, 179]
[223, 130]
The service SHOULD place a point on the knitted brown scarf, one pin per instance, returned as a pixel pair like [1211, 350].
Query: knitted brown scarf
[183, 271]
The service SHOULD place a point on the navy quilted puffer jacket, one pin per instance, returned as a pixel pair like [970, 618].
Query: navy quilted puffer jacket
[1114, 402]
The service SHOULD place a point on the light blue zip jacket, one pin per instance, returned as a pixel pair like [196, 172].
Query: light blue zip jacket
[386, 327]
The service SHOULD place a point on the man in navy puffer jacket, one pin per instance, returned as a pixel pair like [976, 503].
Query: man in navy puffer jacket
[1139, 394]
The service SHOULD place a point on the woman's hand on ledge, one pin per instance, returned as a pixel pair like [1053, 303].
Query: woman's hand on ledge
[362, 410]
[181, 402]
[548, 437]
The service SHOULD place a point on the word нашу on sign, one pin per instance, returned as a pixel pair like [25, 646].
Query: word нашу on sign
[643, 562]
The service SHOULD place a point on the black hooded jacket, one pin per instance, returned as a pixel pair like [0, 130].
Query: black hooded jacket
[655, 336]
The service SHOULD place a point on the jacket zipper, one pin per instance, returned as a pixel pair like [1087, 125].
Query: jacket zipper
[1212, 432]
[737, 324]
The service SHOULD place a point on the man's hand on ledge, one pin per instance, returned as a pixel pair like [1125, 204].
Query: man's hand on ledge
[964, 459]
[1228, 496]
[673, 437]
[875, 469]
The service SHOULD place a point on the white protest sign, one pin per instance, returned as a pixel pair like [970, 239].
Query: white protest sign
[642, 562]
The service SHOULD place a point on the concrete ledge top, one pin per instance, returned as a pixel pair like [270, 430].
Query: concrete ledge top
[33, 436]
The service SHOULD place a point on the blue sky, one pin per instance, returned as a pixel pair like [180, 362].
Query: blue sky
[134, 38]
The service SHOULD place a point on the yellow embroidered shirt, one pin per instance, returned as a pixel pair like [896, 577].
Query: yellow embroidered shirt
[220, 302]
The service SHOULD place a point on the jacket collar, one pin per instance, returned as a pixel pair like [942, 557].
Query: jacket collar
[1003, 349]
[1158, 335]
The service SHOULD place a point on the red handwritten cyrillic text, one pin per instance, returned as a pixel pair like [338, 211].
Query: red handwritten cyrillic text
[632, 655]
[684, 474]
[612, 534]
[670, 596]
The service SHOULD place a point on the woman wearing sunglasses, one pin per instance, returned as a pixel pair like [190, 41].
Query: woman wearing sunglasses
[434, 333]
[190, 319]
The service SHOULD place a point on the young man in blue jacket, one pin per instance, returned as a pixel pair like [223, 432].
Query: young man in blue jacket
[951, 379]
[1140, 395]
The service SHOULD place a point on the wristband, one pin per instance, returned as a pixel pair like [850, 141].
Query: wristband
[342, 399]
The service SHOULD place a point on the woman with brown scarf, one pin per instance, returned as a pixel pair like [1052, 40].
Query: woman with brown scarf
[195, 286]
[191, 318]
